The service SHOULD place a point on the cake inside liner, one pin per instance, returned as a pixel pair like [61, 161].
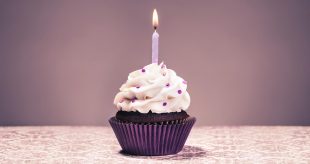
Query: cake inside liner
[137, 117]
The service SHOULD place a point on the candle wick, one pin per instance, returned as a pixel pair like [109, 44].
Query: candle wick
[155, 27]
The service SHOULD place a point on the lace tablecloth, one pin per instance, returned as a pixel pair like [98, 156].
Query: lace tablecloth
[241, 144]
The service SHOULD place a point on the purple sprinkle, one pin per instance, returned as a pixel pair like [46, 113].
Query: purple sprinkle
[143, 70]
[184, 82]
[167, 85]
[179, 91]
[164, 104]
[137, 87]
[134, 99]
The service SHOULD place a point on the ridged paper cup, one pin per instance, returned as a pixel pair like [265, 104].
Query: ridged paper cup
[152, 139]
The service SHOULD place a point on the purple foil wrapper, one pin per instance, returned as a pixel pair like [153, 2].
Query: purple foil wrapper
[152, 140]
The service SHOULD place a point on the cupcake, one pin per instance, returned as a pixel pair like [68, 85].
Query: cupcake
[152, 118]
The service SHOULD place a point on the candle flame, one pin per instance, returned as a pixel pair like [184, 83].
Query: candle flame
[155, 19]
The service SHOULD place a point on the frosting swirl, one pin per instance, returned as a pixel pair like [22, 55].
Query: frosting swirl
[153, 88]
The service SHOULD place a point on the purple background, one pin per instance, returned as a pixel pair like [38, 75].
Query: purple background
[246, 61]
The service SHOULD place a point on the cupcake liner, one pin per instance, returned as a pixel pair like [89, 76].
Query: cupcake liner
[152, 139]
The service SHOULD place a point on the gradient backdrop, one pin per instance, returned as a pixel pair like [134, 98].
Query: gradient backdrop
[247, 62]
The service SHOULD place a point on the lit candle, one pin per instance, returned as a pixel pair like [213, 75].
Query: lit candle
[155, 38]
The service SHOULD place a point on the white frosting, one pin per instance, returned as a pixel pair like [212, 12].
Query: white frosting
[153, 88]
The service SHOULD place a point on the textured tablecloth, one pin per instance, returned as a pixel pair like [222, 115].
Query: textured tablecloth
[243, 144]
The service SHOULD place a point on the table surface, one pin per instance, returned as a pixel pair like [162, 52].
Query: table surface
[238, 144]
